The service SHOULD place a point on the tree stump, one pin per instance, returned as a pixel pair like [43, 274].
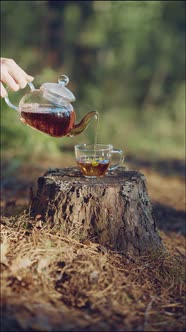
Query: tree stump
[113, 210]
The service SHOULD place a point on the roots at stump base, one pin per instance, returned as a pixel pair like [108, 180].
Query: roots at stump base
[114, 210]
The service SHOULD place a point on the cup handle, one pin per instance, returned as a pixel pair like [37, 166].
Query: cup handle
[121, 159]
[8, 102]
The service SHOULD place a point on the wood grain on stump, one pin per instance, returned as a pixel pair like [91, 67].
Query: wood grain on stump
[114, 210]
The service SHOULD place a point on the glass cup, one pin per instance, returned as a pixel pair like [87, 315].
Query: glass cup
[94, 160]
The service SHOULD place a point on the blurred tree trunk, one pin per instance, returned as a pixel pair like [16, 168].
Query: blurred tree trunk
[85, 55]
[155, 90]
[55, 33]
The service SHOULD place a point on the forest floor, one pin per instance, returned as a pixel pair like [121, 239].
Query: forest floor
[54, 283]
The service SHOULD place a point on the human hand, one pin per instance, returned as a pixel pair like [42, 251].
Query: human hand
[12, 75]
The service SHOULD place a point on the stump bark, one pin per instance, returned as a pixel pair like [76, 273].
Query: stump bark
[114, 210]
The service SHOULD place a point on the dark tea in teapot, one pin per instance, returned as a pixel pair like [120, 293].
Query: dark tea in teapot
[49, 110]
[53, 121]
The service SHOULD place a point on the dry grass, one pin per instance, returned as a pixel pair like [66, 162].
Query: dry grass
[54, 283]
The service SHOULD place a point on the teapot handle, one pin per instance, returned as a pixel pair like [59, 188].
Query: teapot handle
[7, 100]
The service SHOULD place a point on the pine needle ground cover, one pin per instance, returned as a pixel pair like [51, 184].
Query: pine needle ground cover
[54, 283]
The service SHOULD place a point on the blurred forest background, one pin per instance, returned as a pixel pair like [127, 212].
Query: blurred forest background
[125, 59]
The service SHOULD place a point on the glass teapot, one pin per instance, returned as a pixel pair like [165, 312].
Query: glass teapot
[48, 109]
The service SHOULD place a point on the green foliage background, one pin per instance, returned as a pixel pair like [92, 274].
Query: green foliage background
[126, 59]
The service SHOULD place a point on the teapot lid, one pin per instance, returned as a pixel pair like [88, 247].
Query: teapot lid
[57, 93]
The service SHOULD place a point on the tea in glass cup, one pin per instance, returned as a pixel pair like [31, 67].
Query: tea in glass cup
[95, 160]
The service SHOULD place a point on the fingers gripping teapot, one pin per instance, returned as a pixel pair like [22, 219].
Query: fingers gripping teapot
[49, 110]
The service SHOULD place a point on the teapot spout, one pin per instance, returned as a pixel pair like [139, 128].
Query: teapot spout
[83, 124]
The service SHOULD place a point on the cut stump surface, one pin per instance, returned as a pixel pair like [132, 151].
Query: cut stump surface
[114, 210]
